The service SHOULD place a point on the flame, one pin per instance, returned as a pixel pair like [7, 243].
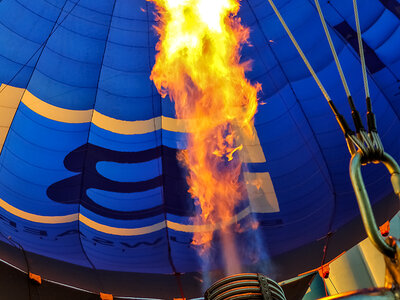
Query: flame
[198, 66]
[257, 183]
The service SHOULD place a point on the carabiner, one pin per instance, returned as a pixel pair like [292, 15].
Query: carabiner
[363, 200]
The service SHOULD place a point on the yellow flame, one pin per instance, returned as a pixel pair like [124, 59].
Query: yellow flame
[198, 66]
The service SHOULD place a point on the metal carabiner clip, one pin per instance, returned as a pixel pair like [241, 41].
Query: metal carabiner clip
[363, 200]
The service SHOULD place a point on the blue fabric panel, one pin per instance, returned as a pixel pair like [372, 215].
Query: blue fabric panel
[176, 140]
[167, 106]
[374, 64]
[16, 74]
[118, 223]
[132, 93]
[56, 241]
[125, 201]
[23, 39]
[393, 6]
[38, 18]
[383, 28]
[123, 142]
[176, 198]
[389, 87]
[126, 81]
[29, 162]
[385, 51]
[72, 60]
[145, 253]
[127, 172]
[184, 255]
[140, 52]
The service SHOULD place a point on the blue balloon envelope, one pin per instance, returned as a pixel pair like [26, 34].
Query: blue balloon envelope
[88, 168]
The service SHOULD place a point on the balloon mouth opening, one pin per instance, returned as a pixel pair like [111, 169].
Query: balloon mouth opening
[245, 286]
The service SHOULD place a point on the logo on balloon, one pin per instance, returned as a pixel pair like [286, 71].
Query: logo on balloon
[84, 160]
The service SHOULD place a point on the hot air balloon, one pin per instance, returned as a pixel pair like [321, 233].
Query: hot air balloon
[91, 192]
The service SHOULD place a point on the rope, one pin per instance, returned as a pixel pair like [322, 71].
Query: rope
[368, 144]
[337, 292]
[354, 113]
[325, 252]
[18, 245]
[179, 282]
[340, 119]
[361, 49]
[334, 53]
[373, 141]
[310, 68]
[374, 138]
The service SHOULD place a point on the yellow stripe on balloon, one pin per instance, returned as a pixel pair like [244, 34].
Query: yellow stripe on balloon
[38, 218]
[116, 230]
[121, 231]
[56, 113]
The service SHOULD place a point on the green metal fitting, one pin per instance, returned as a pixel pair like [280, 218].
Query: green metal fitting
[363, 199]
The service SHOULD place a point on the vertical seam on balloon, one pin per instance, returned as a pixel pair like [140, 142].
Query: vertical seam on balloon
[161, 159]
[42, 46]
[41, 49]
[328, 180]
[86, 151]
[371, 77]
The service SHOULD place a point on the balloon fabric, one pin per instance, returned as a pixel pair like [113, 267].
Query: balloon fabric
[88, 168]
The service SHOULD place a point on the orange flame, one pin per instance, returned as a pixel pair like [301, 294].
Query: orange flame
[198, 66]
